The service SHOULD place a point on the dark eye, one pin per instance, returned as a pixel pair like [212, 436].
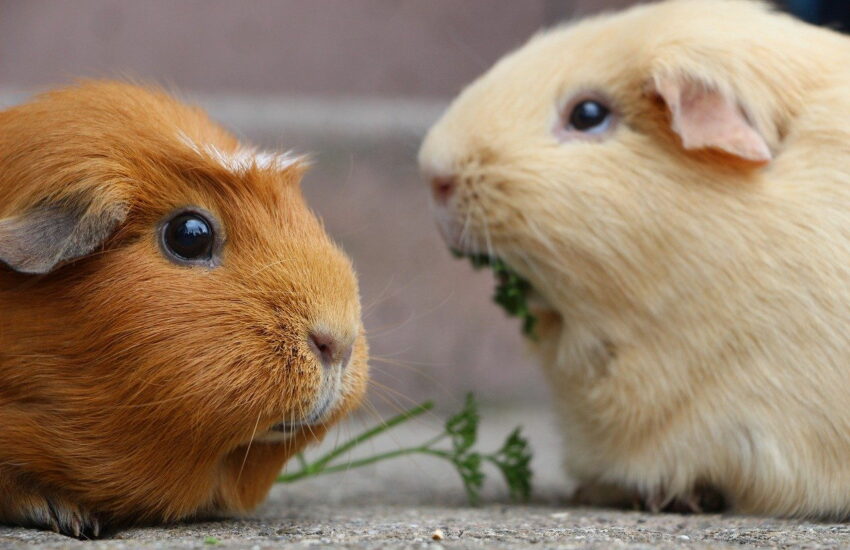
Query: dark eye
[189, 237]
[590, 116]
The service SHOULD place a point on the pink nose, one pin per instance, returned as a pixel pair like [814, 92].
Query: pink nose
[442, 188]
[332, 352]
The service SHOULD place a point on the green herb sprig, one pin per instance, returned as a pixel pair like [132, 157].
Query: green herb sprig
[461, 431]
[511, 290]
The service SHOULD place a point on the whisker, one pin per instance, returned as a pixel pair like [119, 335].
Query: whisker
[268, 266]
[486, 226]
[413, 317]
[408, 363]
[442, 389]
[248, 450]
[367, 308]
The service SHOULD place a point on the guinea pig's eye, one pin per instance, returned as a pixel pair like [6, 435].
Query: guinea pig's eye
[590, 116]
[189, 237]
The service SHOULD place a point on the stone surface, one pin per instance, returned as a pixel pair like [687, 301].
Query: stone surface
[400, 503]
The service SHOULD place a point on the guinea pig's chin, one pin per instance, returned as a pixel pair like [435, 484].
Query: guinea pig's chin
[326, 403]
[449, 228]
[453, 233]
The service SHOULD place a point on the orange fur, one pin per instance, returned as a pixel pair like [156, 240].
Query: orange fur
[131, 388]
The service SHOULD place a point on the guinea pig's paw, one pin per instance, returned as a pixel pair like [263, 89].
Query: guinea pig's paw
[52, 513]
[701, 499]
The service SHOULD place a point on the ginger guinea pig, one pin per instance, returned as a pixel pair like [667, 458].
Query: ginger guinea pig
[674, 183]
[174, 321]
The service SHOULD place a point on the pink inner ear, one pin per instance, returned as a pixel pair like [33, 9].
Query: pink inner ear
[706, 118]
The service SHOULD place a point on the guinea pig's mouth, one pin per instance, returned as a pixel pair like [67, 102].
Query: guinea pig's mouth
[512, 290]
[282, 431]
[314, 418]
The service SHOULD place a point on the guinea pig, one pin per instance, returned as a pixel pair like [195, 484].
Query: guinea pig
[174, 321]
[673, 181]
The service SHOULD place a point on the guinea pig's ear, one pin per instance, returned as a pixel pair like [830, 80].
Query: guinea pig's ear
[53, 232]
[706, 117]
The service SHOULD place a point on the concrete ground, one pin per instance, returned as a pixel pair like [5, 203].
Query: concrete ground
[401, 503]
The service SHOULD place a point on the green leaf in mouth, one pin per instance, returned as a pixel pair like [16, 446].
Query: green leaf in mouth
[511, 289]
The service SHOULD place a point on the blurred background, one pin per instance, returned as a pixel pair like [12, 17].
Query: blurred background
[356, 83]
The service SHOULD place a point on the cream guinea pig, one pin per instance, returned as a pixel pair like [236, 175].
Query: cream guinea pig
[674, 183]
[174, 321]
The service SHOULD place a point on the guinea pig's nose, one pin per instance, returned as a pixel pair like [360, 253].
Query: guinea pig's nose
[442, 188]
[333, 352]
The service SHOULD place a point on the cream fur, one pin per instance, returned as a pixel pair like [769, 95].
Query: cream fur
[696, 317]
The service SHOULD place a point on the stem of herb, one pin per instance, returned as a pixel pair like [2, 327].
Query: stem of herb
[321, 465]
[286, 478]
